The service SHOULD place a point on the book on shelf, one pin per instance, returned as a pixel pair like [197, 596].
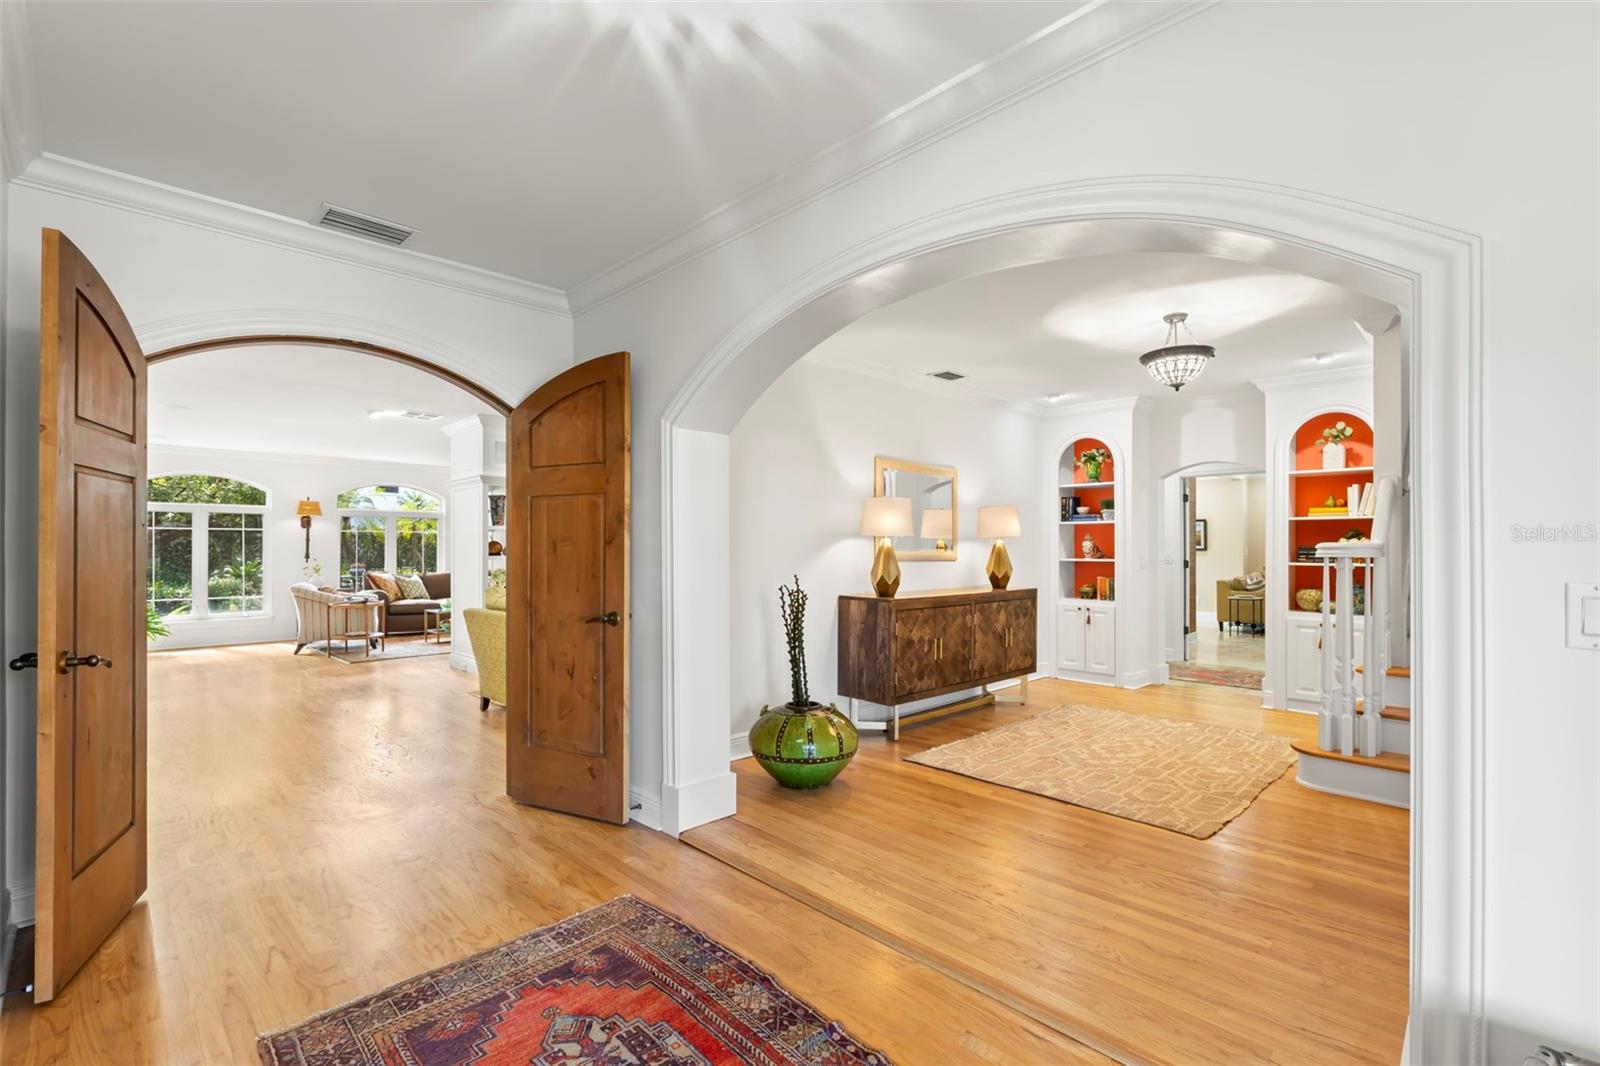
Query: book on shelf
[1327, 512]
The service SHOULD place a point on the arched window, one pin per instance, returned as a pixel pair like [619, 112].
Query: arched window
[389, 527]
[207, 549]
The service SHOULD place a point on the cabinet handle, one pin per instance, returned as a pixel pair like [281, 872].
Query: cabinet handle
[1088, 618]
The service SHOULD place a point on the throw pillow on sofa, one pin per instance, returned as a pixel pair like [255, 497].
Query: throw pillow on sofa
[384, 583]
[412, 588]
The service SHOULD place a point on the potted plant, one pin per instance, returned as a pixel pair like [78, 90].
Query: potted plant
[1108, 510]
[801, 744]
[1333, 439]
[1091, 459]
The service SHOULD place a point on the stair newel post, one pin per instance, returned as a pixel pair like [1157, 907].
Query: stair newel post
[1372, 719]
[1344, 633]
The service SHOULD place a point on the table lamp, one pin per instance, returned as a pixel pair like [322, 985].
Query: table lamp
[999, 523]
[884, 517]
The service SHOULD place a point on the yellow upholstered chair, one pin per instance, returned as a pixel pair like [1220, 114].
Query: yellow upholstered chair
[486, 631]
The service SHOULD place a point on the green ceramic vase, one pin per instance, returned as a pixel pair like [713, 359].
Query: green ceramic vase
[803, 747]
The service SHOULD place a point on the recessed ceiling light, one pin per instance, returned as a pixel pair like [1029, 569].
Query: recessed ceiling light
[415, 416]
[1056, 397]
[1322, 357]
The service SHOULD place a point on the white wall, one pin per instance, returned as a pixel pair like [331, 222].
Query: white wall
[1504, 147]
[1221, 502]
[287, 479]
[801, 463]
[185, 268]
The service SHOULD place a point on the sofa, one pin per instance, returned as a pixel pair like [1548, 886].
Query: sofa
[405, 615]
[1250, 613]
[315, 623]
[486, 631]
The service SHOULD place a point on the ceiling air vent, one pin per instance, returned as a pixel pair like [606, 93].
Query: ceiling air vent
[947, 375]
[374, 229]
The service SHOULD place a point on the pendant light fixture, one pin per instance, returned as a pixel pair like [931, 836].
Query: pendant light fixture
[1177, 364]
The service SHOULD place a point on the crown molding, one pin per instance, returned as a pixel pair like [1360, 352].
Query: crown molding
[94, 184]
[1094, 32]
[1316, 379]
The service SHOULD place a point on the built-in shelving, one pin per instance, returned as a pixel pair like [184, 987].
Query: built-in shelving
[1311, 484]
[1077, 568]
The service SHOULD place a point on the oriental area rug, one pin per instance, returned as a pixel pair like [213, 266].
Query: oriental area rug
[622, 983]
[1189, 777]
[1232, 676]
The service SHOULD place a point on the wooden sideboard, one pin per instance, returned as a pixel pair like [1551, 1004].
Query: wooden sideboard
[924, 644]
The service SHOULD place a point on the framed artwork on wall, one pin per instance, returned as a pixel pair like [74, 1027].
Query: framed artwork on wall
[1199, 534]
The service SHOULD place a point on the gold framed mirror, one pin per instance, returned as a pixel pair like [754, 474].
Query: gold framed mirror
[935, 516]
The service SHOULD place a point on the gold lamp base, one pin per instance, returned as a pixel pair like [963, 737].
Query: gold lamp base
[999, 565]
[886, 569]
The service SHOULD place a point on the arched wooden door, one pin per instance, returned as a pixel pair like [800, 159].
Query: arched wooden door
[567, 593]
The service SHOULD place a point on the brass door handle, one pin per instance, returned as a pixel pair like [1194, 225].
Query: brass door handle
[610, 618]
[70, 662]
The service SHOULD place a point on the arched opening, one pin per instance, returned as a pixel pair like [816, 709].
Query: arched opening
[1429, 273]
[379, 351]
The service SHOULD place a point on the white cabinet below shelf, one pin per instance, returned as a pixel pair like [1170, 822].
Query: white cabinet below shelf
[1303, 658]
[1086, 637]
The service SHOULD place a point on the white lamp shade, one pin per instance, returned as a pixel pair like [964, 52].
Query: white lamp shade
[937, 524]
[999, 522]
[886, 516]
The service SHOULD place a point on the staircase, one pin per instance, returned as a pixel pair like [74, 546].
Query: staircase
[1363, 745]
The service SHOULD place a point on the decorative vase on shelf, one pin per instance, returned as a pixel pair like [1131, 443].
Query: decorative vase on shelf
[1091, 470]
[802, 744]
[497, 509]
[1333, 457]
[1088, 546]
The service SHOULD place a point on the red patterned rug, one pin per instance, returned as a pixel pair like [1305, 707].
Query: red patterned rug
[1215, 675]
[622, 984]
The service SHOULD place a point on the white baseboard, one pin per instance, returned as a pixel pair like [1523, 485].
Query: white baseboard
[685, 806]
[1205, 618]
[739, 746]
[19, 904]
[649, 812]
[463, 661]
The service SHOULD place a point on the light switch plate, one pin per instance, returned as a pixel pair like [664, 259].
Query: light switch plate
[1583, 615]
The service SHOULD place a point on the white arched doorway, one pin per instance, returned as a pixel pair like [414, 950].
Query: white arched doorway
[1432, 273]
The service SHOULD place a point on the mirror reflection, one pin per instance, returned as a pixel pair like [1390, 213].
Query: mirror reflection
[932, 492]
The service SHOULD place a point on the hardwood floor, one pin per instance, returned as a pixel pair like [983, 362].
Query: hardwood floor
[1281, 939]
[321, 830]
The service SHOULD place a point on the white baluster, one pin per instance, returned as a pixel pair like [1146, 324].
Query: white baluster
[1327, 728]
[1372, 720]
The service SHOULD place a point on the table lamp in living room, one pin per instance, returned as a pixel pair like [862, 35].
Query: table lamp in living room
[883, 517]
[999, 523]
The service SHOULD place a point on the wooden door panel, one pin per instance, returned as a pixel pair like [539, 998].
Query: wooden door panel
[1022, 637]
[916, 633]
[990, 622]
[571, 432]
[104, 387]
[103, 714]
[567, 592]
[568, 541]
[955, 645]
[91, 827]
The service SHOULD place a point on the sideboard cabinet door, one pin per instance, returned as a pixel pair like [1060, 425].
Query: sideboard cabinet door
[990, 623]
[1022, 636]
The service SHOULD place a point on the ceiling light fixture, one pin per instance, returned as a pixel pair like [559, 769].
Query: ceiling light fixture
[1177, 364]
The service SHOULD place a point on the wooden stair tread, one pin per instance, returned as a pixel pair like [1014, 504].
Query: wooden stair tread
[1393, 671]
[1389, 760]
[1398, 714]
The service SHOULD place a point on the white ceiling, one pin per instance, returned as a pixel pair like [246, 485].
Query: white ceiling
[1074, 328]
[300, 400]
[545, 141]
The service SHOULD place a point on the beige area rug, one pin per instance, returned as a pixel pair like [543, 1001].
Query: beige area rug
[1184, 776]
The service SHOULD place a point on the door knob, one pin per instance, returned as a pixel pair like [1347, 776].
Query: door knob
[610, 618]
[26, 661]
[69, 662]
